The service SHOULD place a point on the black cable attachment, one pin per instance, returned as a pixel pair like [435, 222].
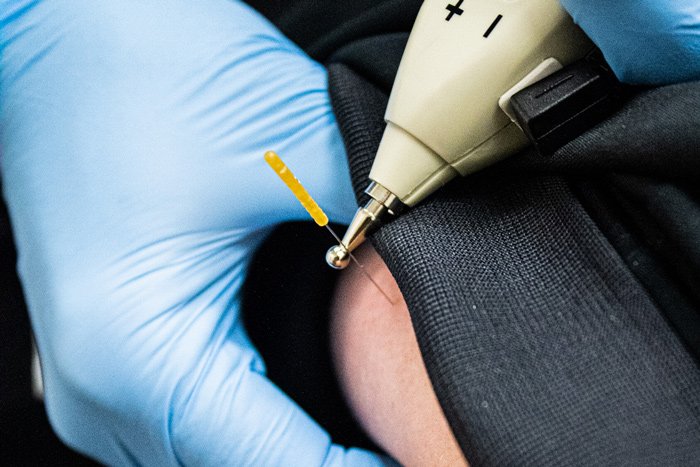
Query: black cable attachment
[564, 105]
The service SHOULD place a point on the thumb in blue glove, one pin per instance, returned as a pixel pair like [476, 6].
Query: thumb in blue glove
[133, 135]
[645, 41]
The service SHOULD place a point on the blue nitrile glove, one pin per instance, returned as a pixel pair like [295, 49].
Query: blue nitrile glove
[644, 41]
[133, 135]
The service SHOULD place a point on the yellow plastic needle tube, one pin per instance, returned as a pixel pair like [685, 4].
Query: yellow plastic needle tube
[297, 188]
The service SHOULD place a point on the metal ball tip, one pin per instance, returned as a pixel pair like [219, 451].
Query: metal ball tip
[338, 257]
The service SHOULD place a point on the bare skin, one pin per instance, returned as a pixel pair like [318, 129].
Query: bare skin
[382, 372]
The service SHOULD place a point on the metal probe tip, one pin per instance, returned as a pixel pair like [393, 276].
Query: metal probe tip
[338, 257]
[366, 220]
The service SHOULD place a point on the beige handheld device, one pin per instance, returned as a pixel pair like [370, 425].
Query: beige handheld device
[449, 113]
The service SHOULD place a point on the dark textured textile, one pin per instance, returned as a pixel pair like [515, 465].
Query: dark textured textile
[321, 27]
[376, 58]
[359, 107]
[543, 347]
[655, 226]
[665, 145]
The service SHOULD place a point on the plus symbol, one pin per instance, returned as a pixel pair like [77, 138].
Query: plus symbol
[454, 10]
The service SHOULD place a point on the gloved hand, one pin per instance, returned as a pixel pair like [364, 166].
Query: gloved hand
[644, 41]
[133, 135]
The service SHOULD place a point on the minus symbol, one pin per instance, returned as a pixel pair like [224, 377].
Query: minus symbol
[493, 26]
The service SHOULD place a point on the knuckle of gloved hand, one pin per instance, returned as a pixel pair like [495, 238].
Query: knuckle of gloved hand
[645, 42]
[671, 60]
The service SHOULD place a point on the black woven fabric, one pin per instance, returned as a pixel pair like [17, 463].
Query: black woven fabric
[543, 347]
[359, 107]
[666, 145]
[655, 226]
[321, 27]
[375, 58]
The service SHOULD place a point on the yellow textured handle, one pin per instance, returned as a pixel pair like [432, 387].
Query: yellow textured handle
[297, 188]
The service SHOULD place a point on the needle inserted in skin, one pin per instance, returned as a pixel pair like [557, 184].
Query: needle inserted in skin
[311, 207]
[362, 268]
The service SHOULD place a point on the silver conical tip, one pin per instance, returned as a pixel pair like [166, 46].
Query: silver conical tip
[338, 257]
[367, 219]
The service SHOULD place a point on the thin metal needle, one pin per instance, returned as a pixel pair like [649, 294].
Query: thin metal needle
[362, 268]
[314, 210]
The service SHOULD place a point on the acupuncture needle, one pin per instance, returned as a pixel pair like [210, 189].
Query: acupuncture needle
[314, 210]
[362, 268]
